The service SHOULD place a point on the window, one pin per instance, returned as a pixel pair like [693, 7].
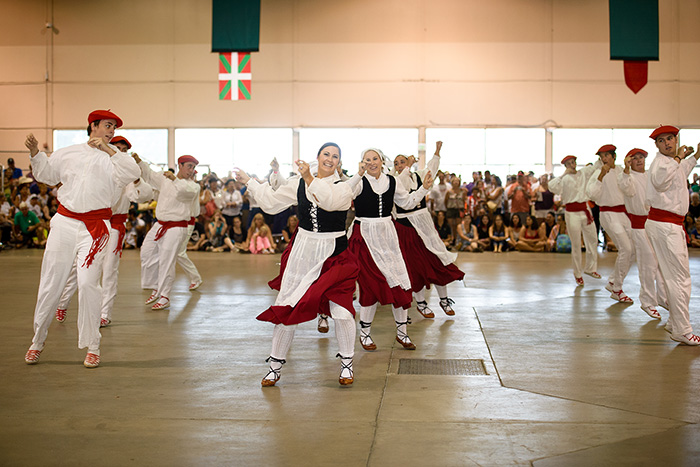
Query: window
[352, 141]
[151, 145]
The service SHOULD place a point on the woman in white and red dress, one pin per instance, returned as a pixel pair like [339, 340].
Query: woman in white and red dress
[383, 275]
[319, 273]
[426, 257]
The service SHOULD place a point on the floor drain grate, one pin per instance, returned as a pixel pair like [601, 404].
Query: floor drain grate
[420, 366]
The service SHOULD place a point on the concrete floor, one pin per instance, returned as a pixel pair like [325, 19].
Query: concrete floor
[573, 377]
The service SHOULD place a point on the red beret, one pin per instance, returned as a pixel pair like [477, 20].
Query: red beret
[183, 159]
[606, 148]
[567, 158]
[104, 115]
[663, 129]
[637, 150]
[121, 139]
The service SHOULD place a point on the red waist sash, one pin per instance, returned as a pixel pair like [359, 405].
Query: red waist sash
[117, 222]
[167, 225]
[637, 221]
[580, 207]
[618, 208]
[659, 215]
[93, 221]
[191, 221]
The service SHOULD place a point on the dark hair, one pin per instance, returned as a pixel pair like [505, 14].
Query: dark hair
[512, 217]
[325, 145]
[89, 127]
[534, 222]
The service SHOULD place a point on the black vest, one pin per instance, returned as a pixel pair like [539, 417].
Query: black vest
[315, 219]
[370, 204]
[420, 205]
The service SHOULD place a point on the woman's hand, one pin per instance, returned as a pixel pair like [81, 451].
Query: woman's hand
[305, 172]
[428, 182]
[241, 176]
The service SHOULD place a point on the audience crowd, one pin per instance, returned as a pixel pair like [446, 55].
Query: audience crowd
[483, 214]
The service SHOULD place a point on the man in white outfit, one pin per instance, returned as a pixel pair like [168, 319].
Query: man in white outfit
[178, 195]
[571, 186]
[633, 184]
[138, 192]
[667, 195]
[183, 260]
[603, 190]
[92, 176]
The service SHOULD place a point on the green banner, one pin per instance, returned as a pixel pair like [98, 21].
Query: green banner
[634, 29]
[235, 26]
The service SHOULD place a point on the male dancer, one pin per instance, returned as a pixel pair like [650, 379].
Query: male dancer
[571, 186]
[667, 194]
[138, 192]
[176, 202]
[91, 175]
[606, 194]
[633, 184]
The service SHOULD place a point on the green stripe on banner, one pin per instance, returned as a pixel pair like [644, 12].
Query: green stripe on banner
[634, 29]
[235, 26]
[244, 91]
[244, 62]
[225, 63]
[227, 88]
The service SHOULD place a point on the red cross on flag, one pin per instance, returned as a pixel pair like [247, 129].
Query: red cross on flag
[234, 76]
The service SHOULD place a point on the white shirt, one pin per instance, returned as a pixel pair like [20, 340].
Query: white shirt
[572, 187]
[634, 186]
[234, 197]
[90, 178]
[323, 192]
[668, 184]
[402, 197]
[133, 193]
[606, 192]
[177, 199]
[409, 181]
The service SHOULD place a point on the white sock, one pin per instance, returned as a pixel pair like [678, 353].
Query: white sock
[420, 296]
[442, 291]
[282, 338]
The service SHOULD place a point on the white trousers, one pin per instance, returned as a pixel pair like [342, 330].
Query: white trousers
[110, 279]
[652, 290]
[158, 258]
[576, 224]
[69, 241]
[185, 262]
[617, 226]
[668, 242]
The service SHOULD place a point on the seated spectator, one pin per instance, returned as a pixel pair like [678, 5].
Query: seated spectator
[694, 234]
[514, 231]
[559, 240]
[217, 234]
[28, 228]
[238, 235]
[694, 207]
[467, 237]
[531, 238]
[288, 232]
[139, 225]
[5, 232]
[444, 230]
[5, 207]
[497, 234]
[131, 237]
[482, 231]
[21, 192]
[688, 224]
[198, 240]
[548, 224]
[259, 240]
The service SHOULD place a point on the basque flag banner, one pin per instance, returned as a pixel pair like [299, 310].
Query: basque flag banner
[234, 76]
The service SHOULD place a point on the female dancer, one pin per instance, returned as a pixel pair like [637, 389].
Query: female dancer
[427, 259]
[383, 276]
[319, 274]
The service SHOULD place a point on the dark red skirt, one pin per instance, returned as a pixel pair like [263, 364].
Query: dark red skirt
[373, 285]
[336, 283]
[424, 268]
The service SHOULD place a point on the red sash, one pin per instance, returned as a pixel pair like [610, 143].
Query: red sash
[659, 215]
[191, 221]
[580, 207]
[166, 225]
[618, 208]
[93, 223]
[637, 221]
[117, 222]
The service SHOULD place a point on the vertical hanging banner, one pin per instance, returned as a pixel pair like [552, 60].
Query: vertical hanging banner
[634, 38]
[234, 76]
[235, 33]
